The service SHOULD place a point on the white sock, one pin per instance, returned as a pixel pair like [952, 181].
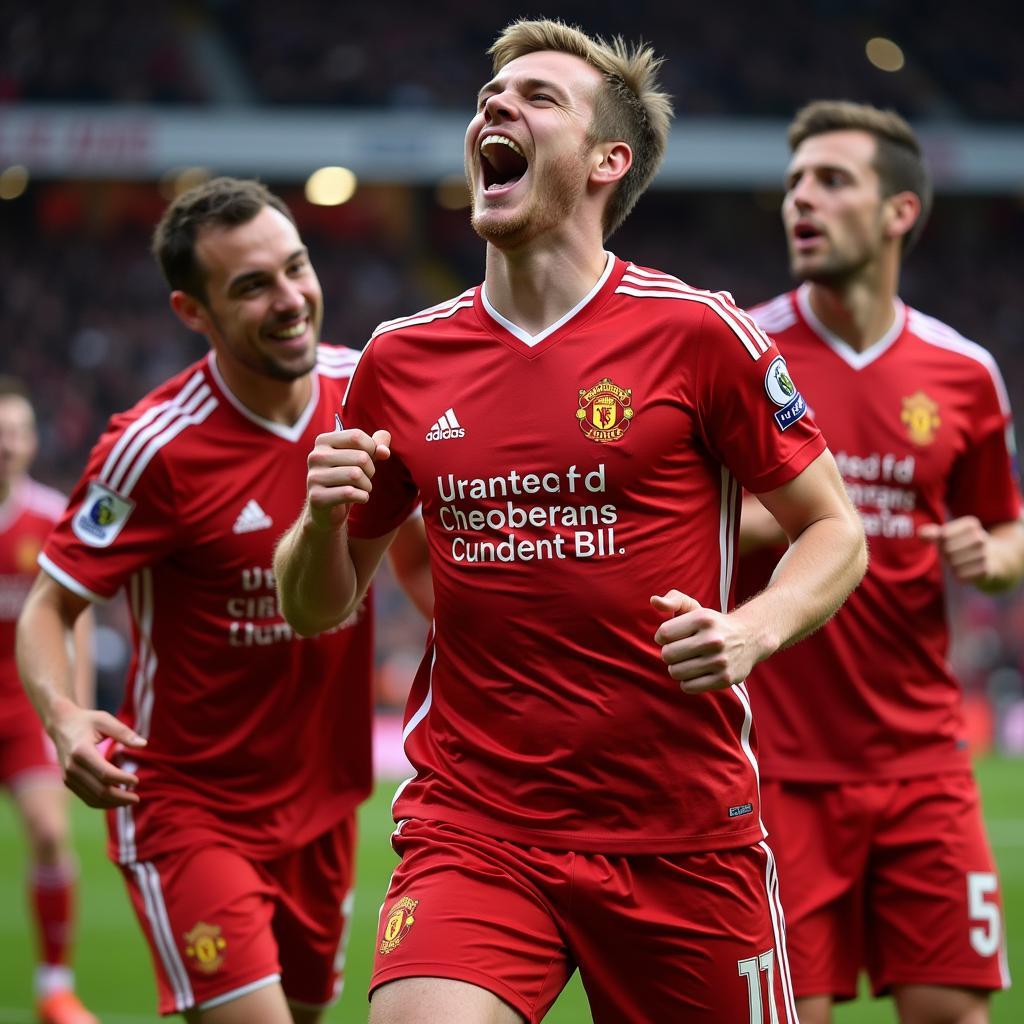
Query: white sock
[52, 978]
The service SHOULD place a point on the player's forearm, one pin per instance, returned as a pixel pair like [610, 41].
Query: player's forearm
[316, 580]
[84, 672]
[816, 574]
[1006, 558]
[44, 644]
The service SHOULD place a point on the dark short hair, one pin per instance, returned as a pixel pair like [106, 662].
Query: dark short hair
[898, 161]
[222, 202]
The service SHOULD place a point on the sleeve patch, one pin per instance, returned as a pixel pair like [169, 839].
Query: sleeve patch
[102, 516]
[782, 391]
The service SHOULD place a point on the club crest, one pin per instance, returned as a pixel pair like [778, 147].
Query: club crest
[605, 411]
[920, 415]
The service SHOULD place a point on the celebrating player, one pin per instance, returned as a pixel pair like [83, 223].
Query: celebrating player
[241, 749]
[28, 762]
[576, 426]
[883, 858]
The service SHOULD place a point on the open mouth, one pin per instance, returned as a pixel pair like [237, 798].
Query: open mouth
[502, 162]
[804, 231]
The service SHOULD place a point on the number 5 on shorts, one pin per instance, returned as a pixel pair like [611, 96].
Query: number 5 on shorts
[987, 934]
[751, 969]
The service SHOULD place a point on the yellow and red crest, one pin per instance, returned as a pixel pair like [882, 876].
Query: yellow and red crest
[605, 411]
[205, 945]
[921, 416]
[399, 921]
[25, 554]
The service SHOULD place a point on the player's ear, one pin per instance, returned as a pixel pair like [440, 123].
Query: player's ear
[901, 212]
[190, 311]
[611, 160]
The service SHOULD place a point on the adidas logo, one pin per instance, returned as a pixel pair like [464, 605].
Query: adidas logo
[446, 427]
[251, 518]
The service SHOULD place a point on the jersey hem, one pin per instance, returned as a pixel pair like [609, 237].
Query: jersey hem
[590, 843]
[791, 468]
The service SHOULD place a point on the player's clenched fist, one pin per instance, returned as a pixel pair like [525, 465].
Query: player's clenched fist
[341, 467]
[704, 649]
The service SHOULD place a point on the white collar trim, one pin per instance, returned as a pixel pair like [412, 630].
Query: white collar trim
[536, 339]
[857, 360]
[292, 433]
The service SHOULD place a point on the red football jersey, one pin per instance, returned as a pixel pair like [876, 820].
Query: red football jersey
[920, 428]
[254, 733]
[26, 518]
[565, 478]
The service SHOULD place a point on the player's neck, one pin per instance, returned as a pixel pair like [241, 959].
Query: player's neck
[278, 401]
[535, 287]
[858, 312]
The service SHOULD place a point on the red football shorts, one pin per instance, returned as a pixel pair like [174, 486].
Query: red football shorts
[28, 756]
[895, 877]
[694, 937]
[220, 925]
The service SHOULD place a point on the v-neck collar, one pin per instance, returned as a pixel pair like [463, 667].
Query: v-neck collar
[507, 330]
[854, 359]
[286, 433]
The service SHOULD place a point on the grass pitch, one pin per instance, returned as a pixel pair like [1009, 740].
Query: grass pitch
[115, 976]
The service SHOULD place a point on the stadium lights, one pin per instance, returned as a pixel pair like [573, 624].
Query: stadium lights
[453, 192]
[13, 181]
[884, 54]
[331, 186]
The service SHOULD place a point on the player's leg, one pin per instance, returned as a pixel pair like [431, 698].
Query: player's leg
[41, 803]
[820, 835]
[437, 999]
[467, 932]
[935, 911]
[940, 1004]
[266, 1005]
[314, 901]
[206, 913]
[695, 937]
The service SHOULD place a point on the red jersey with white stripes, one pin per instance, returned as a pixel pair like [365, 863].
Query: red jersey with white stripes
[565, 478]
[26, 517]
[920, 427]
[255, 734]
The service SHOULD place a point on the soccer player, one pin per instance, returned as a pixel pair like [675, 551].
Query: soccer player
[28, 762]
[578, 428]
[241, 750]
[882, 857]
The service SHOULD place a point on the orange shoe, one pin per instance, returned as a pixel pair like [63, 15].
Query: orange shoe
[64, 1008]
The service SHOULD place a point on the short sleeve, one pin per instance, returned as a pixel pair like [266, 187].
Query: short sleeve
[394, 494]
[750, 410]
[120, 518]
[984, 481]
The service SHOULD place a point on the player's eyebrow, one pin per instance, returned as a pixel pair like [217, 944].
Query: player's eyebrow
[254, 275]
[522, 85]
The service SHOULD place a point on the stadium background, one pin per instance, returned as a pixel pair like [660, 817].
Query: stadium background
[108, 108]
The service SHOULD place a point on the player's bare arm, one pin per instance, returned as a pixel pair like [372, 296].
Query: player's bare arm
[45, 638]
[758, 527]
[321, 575]
[990, 559]
[710, 650]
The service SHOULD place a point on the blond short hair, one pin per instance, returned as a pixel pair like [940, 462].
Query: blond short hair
[630, 107]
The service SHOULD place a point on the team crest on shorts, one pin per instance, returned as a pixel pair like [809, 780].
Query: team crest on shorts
[920, 415]
[605, 411]
[399, 921]
[205, 946]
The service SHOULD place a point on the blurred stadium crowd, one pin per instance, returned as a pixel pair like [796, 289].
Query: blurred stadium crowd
[84, 312]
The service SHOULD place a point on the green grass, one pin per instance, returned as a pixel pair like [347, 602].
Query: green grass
[115, 976]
